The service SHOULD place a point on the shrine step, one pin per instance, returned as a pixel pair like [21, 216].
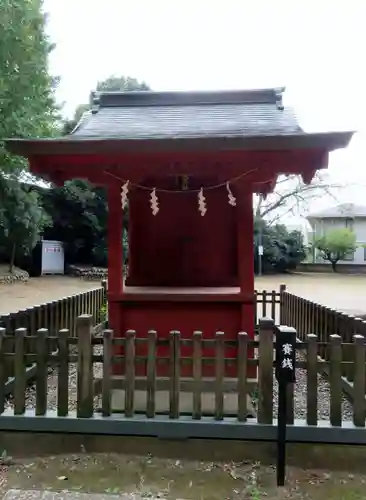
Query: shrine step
[162, 403]
[186, 384]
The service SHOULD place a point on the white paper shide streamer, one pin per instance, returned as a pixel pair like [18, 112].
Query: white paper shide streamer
[124, 194]
[154, 202]
[232, 199]
[202, 205]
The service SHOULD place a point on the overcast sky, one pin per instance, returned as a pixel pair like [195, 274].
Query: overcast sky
[316, 48]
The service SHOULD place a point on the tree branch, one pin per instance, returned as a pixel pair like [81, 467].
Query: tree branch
[290, 194]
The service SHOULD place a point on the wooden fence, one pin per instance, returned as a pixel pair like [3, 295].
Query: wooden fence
[308, 317]
[142, 412]
[268, 304]
[51, 317]
[57, 314]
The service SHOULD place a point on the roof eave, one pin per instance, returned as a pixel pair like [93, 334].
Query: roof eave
[91, 145]
[335, 216]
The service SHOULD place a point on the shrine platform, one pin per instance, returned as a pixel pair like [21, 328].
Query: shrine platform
[154, 290]
[176, 294]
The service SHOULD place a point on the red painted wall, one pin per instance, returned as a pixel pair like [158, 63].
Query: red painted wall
[186, 317]
[179, 247]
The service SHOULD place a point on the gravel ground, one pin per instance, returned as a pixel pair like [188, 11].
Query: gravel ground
[299, 392]
[323, 396]
[52, 387]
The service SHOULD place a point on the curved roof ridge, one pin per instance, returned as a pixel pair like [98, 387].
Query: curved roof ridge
[105, 99]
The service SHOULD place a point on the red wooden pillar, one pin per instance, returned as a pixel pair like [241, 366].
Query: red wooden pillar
[115, 259]
[245, 229]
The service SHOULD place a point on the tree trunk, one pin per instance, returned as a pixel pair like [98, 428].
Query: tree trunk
[12, 258]
[334, 266]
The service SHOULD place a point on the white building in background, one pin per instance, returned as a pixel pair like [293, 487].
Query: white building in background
[346, 215]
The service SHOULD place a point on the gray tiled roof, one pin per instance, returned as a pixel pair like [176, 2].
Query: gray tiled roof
[344, 210]
[162, 115]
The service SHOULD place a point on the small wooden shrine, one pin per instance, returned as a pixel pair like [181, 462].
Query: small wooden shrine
[187, 164]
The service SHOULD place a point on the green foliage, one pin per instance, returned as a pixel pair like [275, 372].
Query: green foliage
[336, 245]
[27, 105]
[111, 84]
[103, 313]
[121, 84]
[22, 220]
[79, 210]
[283, 250]
[79, 218]
[27, 109]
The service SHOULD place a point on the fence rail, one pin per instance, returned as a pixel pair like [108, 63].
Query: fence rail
[50, 317]
[142, 396]
[58, 335]
[57, 314]
[308, 317]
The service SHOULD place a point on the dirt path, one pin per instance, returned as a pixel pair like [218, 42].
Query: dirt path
[344, 292]
[40, 290]
[154, 477]
[340, 291]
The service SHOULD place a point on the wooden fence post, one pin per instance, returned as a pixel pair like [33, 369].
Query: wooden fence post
[130, 372]
[107, 373]
[63, 373]
[264, 303]
[85, 366]
[104, 286]
[3, 375]
[41, 376]
[312, 380]
[151, 374]
[335, 380]
[255, 298]
[242, 376]
[219, 375]
[283, 312]
[19, 371]
[359, 381]
[174, 374]
[197, 375]
[265, 376]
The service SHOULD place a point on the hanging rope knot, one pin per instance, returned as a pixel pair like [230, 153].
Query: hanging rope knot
[154, 202]
[232, 199]
[202, 205]
[124, 194]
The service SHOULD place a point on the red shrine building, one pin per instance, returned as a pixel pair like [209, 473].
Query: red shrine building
[187, 164]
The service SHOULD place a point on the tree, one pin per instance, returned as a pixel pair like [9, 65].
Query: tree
[111, 84]
[283, 250]
[121, 84]
[79, 219]
[79, 210]
[27, 104]
[291, 196]
[27, 108]
[22, 220]
[336, 245]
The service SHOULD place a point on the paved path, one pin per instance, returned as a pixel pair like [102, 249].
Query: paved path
[51, 495]
[40, 290]
[344, 292]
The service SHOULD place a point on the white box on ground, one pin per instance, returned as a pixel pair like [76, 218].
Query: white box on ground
[53, 258]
